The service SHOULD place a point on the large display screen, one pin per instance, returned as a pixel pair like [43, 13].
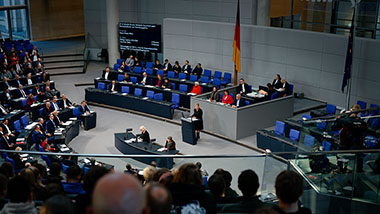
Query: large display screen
[140, 37]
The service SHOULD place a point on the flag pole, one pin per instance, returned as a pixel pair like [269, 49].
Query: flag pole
[235, 75]
[348, 95]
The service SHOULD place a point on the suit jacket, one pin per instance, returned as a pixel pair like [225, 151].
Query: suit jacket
[35, 92]
[41, 97]
[82, 111]
[157, 67]
[215, 96]
[56, 120]
[19, 94]
[49, 94]
[116, 87]
[246, 87]
[104, 75]
[52, 106]
[38, 137]
[145, 136]
[286, 87]
[197, 71]
[50, 126]
[277, 84]
[5, 144]
[47, 111]
[5, 130]
[186, 69]
[62, 103]
[241, 103]
[169, 66]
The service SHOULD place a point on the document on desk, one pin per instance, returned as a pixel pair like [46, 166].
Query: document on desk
[167, 89]
[57, 133]
[204, 83]
[145, 98]
[149, 86]
[114, 92]
[33, 105]
[65, 149]
[20, 139]
[191, 94]
[129, 141]
[183, 80]
[24, 155]
[67, 123]
[92, 112]
[160, 149]
[73, 119]
[71, 107]
[124, 94]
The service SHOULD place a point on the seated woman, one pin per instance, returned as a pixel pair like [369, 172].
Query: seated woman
[227, 98]
[270, 90]
[126, 78]
[196, 89]
[166, 84]
[29, 101]
[214, 95]
[159, 80]
[170, 144]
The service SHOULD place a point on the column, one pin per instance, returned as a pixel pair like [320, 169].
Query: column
[263, 12]
[112, 8]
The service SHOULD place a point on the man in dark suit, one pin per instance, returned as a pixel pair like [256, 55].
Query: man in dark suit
[20, 92]
[243, 87]
[5, 84]
[157, 66]
[113, 87]
[54, 104]
[285, 88]
[56, 119]
[65, 103]
[6, 129]
[83, 109]
[50, 125]
[6, 143]
[106, 74]
[238, 102]
[41, 97]
[36, 90]
[3, 110]
[47, 110]
[186, 68]
[49, 94]
[198, 70]
[167, 66]
[38, 134]
[41, 123]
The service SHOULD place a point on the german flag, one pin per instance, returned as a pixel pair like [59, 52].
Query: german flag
[236, 44]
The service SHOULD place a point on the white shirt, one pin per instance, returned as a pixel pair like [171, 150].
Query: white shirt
[22, 93]
[3, 109]
[55, 106]
[8, 130]
[30, 82]
[113, 87]
[243, 88]
[144, 80]
[106, 75]
[64, 104]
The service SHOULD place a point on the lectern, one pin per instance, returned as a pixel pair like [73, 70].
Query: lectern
[89, 121]
[188, 131]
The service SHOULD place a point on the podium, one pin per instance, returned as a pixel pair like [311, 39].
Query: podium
[188, 131]
[89, 121]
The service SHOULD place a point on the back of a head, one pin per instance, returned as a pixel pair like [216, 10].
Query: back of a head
[157, 175]
[53, 189]
[92, 176]
[289, 186]
[148, 173]
[226, 175]
[3, 185]
[216, 185]
[188, 173]
[118, 193]
[158, 199]
[19, 190]
[248, 183]
[8, 169]
[73, 172]
[55, 169]
[58, 204]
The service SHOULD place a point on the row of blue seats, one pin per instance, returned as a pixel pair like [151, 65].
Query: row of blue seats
[150, 94]
[102, 86]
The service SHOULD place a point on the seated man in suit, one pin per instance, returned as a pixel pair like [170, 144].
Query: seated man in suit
[167, 66]
[248, 183]
[57, 121]
[166, 84]
[3, 110]
[54, 104]
[20, 92]
[129, 62]
[49, 94]
[29, 80]
[285, 88]
[83, 109]
[198, 70]
[65, 103]
[186, 68]
[169, 144]
[243, 87]
[157, 66]
[17, 81]
[238, 102]
[5, 84]
[144, 136]
[113, 86]
[38, 134]
[36, 90]
[6, 142]
[6, 129]
[41, 97]
[50, 125]
[47, 110]
[106, 74]
[145, 79]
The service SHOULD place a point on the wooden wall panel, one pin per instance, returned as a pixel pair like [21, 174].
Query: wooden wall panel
[56, 19]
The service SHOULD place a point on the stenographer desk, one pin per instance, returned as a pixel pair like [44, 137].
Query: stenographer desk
[149, 106]
[142, 148]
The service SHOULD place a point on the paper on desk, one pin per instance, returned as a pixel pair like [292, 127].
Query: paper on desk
[192, 94]
[129, 141]
[67, 123]
[86, 161]
[145, 98]
[24, 159]
[92, 112]
[33, 105]
[160, 149]
[114, 92]
[20, 139]
[204, 83]
[57, 133]
[149, 86]
[24, 155]
[133, 139]
[65, 149]
[183, 80]
[124, 94]
[167, 89]
[73, 118]
[71, 107]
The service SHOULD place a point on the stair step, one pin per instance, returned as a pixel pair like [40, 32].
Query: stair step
[61, 55]
[53, 59]
[65, 71]
[64, 67]
[64, 61]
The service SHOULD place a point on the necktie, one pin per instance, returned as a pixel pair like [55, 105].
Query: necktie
[3, 109]
[23, 93]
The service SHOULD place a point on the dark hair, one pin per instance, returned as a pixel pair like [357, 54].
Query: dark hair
[92, 176]
[8, 169]
[158, 198]
[226, 175]
[188, 173]
[73, 172]
[269, 86]
[53, 189]
[128, 166]
[241, 79]
[42, 169]
[289, 186]
[157, 175]
[198, 164]
[3, 184]
[216, 184]
[59, 204]
[55, 169]
[19, 190]
[278, 75]
[248, 182]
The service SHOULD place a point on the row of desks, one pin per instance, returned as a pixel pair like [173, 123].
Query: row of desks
[154, 107]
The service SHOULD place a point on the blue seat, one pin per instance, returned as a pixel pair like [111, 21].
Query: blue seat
[362, 104]
[149, 65]
[330, 109]
[35, 98]
[173, 85]
[274, 96]
[182, 76]
[86, 169]
[134, 80]
[46, 159]
[373, 112]
[119, 61]
[101, 85]
[247, 102]
[10, 160]
[149, 71]
[125, 89]
[23, 102]
[226, 78]
[374, 123]
[207, 73]
[306, 117]
[24, 121]
[127, 68]
[30, 91]
[138, 92]
[17, 126]
[183, 87]
[322, 126]
[41, 110]
[160, 72]
[280, 128]
[137, 70]
[171, 74]
[76, 112]
[193, 78]
[159, 97]
[309, 141]
[120, 77]
[294, 134]
[40, 149]
[64, 168]
[116, 67]
[150, 94]
[326, 145]
[218, 75]
[175, 100]
[216, 82]
[204, 79]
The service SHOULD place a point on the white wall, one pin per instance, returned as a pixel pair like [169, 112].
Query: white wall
[313, 62]
[154, 11]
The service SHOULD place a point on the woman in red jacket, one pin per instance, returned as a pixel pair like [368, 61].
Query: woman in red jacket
[227, 98]
[196, 89]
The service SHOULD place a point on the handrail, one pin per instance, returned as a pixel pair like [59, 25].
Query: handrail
[86, 53]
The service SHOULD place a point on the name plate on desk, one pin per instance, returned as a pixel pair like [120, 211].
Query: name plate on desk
[114, 92]
[183, 80]
[145, 98]
[124, 94]
[167, 89]
[149, 86]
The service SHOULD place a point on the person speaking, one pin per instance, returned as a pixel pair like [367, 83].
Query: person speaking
[198, 113]
[144, 136]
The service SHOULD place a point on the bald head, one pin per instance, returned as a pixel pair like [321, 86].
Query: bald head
[118, 193]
